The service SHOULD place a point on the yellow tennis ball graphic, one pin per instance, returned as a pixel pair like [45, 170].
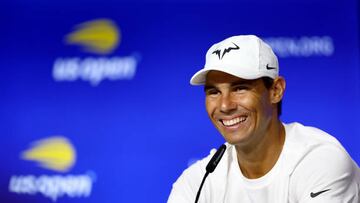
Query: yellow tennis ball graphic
[54, 153]
[99, 36]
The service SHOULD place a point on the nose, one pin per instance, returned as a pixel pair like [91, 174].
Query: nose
[227, 104]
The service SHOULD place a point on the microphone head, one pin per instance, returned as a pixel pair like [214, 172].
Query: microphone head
[216, 159]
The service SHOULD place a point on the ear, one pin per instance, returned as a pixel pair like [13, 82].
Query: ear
[277, 90]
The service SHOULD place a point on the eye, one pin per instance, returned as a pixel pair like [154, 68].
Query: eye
[211, 91]
[240, 88]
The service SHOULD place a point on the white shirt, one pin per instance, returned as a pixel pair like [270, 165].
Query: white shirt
[312, 167]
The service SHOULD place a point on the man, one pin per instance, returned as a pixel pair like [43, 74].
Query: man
[265, 160]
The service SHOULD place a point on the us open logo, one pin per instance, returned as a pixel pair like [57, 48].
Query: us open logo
[56, 154]
[99, 37]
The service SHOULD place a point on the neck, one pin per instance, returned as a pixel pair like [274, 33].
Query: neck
[257, 159]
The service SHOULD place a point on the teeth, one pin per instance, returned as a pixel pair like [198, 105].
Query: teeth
[233, 121]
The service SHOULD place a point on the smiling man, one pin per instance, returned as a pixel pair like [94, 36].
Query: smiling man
[266, 160]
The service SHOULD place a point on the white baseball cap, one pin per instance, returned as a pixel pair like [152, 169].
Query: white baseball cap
[244, 56]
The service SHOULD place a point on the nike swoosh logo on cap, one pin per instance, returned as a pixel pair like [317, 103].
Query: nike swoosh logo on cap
[269, 67]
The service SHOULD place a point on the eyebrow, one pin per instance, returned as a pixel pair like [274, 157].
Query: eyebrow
[207, 87]
[239, 82]
[242, 82]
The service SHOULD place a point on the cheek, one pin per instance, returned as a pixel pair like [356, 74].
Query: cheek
[209, 106]
[255, 105]
[247, 102]
[265, 106]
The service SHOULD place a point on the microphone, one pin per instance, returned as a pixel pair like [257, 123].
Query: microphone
[214, 161]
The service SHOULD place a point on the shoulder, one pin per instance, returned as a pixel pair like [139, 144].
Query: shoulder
[306, 143]
[327, 160]
[187, 185]
[324, 164]
[306, 136]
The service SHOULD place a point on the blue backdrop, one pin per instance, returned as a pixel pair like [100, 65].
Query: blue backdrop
[124, 117]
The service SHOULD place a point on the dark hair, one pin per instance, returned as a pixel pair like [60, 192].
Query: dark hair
[268, 82]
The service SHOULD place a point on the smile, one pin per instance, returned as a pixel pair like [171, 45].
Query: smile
[233, 121]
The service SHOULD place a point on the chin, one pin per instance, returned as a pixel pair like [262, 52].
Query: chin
[235, 139]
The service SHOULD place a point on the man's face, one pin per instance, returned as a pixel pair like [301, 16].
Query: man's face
[240, 109]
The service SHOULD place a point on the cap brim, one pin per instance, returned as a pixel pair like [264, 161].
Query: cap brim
[199, 78]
